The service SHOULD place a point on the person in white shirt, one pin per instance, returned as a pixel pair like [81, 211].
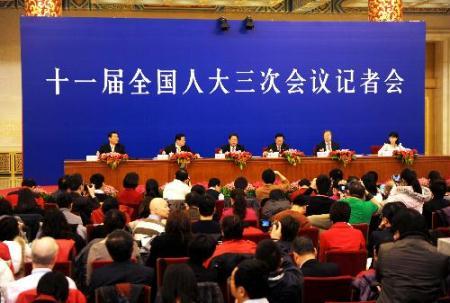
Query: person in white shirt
[6, 277]
[179, 187]
[43, 255]
[249, 282]
[392, 144]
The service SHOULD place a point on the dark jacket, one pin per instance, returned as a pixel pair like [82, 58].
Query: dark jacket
[213, 193]
[411, 270]
[313, 268]
[319, 205]
[226, 148]
[106, 148]
[172, 149]
[285, 285]
[273, 147]
[322, 145]
[432, 206]
[224, 264]
[123, 272]
[83, 206]
[166, 246]
[203, 274]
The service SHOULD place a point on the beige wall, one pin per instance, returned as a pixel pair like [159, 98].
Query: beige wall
[437, 73]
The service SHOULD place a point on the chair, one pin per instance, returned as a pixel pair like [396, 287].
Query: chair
[103, 294]
[100, 263]
[65, 267]
[75, 296]
[364, 228]
[256, 237]
[350, 262]
[163, 263]
[66, 251]
[374, 149]
[312, 233]
[220, 205]
[320, 290]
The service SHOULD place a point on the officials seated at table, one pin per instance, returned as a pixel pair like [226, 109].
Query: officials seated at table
[392, 144]
[327, 144]
[233, 144]
[178, 146]
[277, 146]
[113, 145]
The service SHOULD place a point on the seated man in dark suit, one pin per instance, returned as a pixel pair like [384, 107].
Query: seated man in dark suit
[178, 146]
[321, 203]
[113, 146]
[214, 189]
[232, 146]
[327, 144]
[119, 244]
[305, 256]
[278, 145]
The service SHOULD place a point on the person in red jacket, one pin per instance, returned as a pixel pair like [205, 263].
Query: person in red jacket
[129, 196]
[341, 235]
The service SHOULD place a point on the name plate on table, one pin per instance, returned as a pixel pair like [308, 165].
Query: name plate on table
[219, 156]
[162, 157]
[273, 155]
[323, 154]
[93, 158]
[386, 153]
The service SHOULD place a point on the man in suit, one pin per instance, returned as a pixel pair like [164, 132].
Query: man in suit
[327, 144]
[178, 146]
[278, 145]
[305, 256]
[119, 244]
[232, 146]
[113, 145]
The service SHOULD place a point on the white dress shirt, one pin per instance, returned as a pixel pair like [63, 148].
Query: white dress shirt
[389, 148]
[176, 190]
[14, 289]
[261, 300]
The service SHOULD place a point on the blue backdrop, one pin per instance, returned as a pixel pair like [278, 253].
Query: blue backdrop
[83, 77]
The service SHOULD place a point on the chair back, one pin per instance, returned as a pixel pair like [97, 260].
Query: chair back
[163, 263]
[364, 228]
[350, 262]
[321, 290]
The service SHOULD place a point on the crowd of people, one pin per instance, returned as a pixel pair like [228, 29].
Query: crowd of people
[118, 236]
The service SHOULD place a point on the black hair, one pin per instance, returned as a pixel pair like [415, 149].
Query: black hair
[62, 183]
[373, 175]
[340, 212]
[391, 209]
[336, 174]
[279, 135]
[9, 228]
[410, 177]
[114, 219]
[434, 175]
[5, 207]
[179, 284]
[179, 225]
[119, 244]
[303, 246]
[352, 179]
[252, 275]
[97, 180]
[438, 187]
[301, 200]
[369, 183]
[201, 248]
[356, 189]
[28, 182]
[240, 203]
[199, 189]
[179, 136]
[240, 183]
[109, 203]
[289, 228]
[74, 182]
[394, 135]
[233, 135]
[131, 180]
[207, 206]
[323, 184]
[112, 133]
[64, 200]
[54, 284]
[268, 252]
[409, 221]
[26, 202]
[268, 176]
[181, 175]
[152, 188]
[232, 228]
[304, 182]
[277, 195]
[55, 225]
[213, 182]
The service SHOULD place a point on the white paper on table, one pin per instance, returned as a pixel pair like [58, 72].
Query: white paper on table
[219, 156]
[91, 158]
[323, 154]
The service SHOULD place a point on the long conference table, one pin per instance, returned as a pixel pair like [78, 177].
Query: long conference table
[201, 170]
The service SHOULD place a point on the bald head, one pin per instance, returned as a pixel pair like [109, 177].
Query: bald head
[44, 252]
[159, 207]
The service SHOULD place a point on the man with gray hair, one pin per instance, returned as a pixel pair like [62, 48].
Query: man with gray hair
[43, 254]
